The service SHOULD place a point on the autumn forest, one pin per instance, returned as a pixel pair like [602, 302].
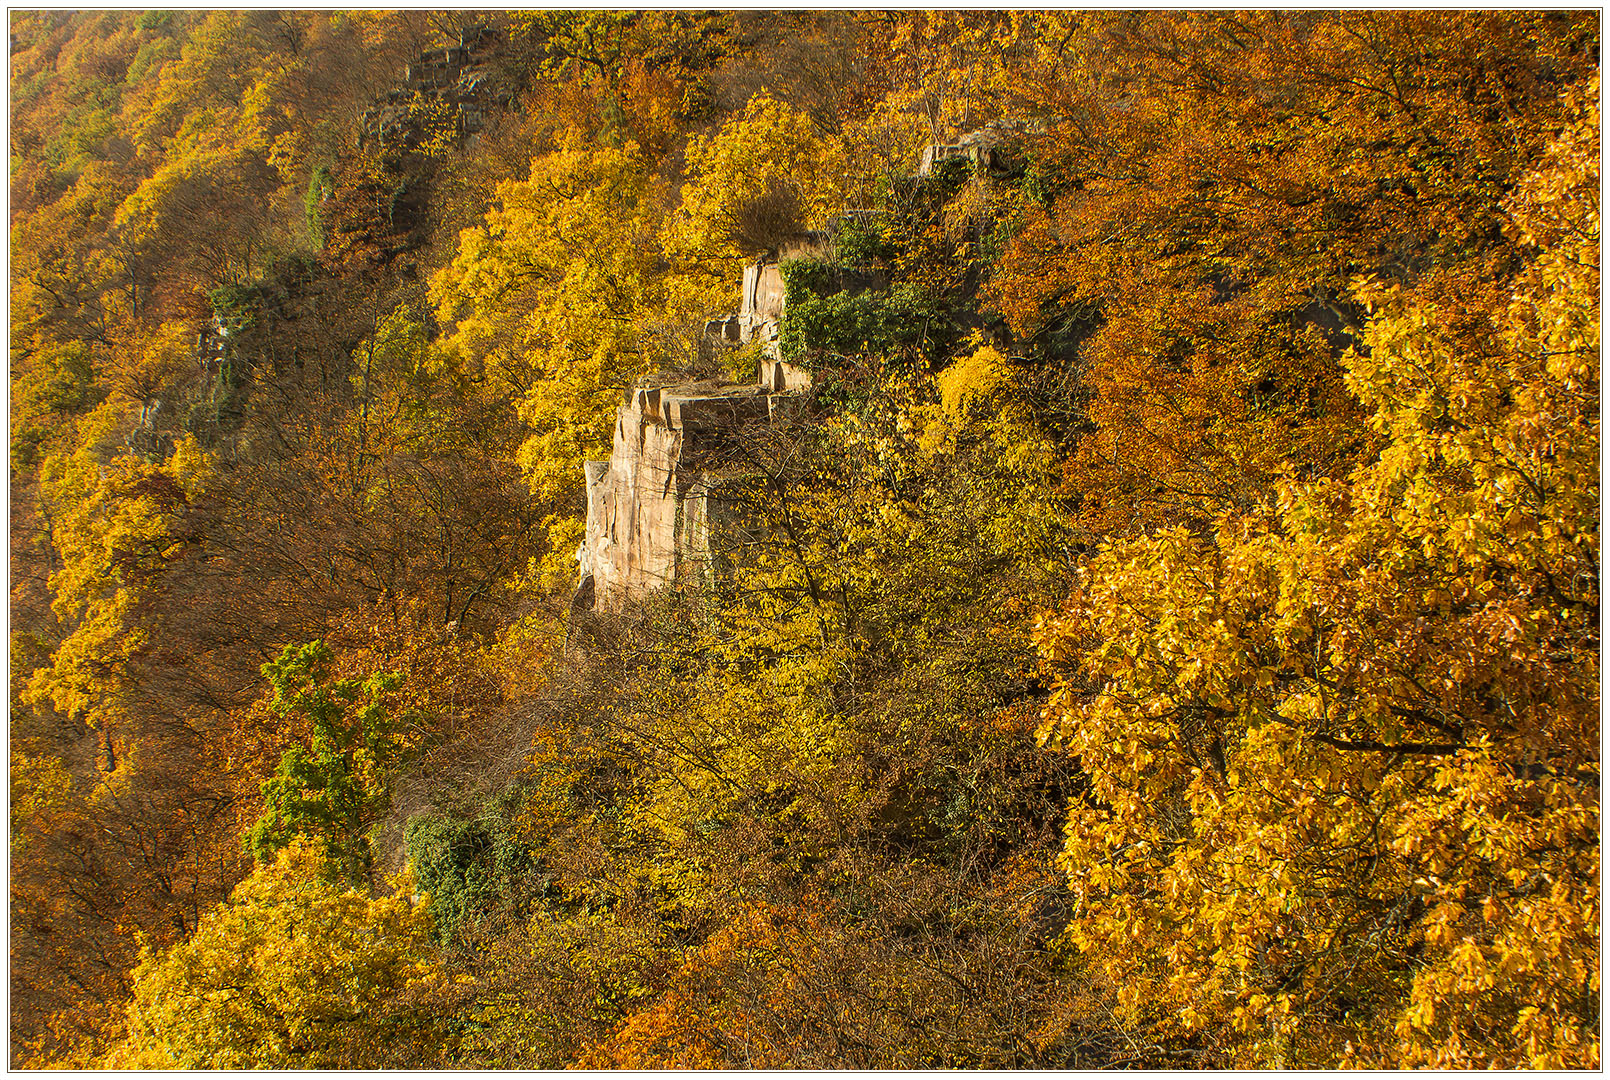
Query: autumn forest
[1156, 626]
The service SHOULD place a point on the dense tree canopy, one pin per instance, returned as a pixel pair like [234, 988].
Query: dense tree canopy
[1165, 635]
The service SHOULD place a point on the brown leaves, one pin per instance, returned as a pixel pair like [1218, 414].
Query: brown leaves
[1218, 182]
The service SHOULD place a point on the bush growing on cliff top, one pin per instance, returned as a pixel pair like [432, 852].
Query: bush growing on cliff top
[817, 321]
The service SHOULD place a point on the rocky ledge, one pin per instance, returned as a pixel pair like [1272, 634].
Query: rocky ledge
[649, 505]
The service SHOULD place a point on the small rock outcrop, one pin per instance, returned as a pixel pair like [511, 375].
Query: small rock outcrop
[762, 295]
[993, 149]
[651, 505]
[463, 77]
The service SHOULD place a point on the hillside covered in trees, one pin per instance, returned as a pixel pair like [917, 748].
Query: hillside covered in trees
[1166, 633]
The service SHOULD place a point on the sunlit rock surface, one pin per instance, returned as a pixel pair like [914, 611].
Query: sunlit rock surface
[649, 505]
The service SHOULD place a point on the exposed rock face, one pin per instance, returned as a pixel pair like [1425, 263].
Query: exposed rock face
[463, 77]
[649, 507]
[990, 149]
[973, 147]
[762, 294]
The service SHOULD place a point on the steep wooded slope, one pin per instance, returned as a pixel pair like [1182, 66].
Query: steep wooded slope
[1168, 637]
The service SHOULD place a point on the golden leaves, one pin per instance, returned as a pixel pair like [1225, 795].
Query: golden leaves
[1344, 746]
[561, 282]
[290, 973]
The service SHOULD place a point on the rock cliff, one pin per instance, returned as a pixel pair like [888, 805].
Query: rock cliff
[650, 506]
[761, 296]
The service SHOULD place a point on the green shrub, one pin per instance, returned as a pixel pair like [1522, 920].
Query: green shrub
[821, 317]
[861, 242]
[467, 867]
[319, 187]
[236, 307]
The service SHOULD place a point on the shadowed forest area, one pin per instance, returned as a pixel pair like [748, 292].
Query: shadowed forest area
[1164, 634]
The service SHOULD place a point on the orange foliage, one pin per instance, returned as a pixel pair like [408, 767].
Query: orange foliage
[1217, 181]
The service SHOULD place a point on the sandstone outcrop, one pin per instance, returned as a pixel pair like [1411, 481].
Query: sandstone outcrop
[992, 149]
[650, 507]
[762, 295]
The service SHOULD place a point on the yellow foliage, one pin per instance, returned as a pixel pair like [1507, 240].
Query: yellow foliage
[955, 68]
[1343, 749]
[770, 141]
[40, 791]
[290, 973]
[114, 518]
[555, 293]
[770, 148]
